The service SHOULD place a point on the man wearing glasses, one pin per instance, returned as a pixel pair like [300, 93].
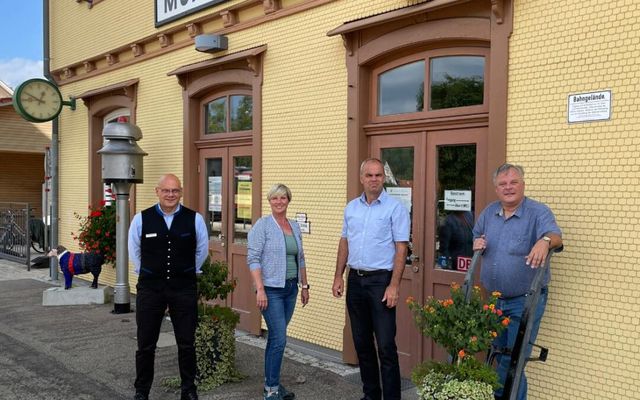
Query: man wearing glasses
[168, 243]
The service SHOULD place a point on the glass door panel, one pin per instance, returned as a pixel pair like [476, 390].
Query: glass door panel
[242, 170]
[455, 186]
[214, 199]
[398, 167]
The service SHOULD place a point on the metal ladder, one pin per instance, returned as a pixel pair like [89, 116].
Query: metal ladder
[518, 353]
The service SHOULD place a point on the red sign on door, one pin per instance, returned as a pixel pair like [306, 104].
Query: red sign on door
[463, 263]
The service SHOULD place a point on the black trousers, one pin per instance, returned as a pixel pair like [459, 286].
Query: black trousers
[370, 318]
[151, 303]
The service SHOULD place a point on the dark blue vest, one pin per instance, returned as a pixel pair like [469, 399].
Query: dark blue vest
[168, 256]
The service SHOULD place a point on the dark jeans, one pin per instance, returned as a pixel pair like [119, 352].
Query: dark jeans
[151, 304]
[371, 317]
[513, 308]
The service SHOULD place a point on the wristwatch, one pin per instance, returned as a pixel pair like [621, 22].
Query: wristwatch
[305, 286]
[547, 239]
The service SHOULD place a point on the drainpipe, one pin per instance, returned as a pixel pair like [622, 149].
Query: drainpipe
[53, 262]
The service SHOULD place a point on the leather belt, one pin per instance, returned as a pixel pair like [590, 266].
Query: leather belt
[365, 273]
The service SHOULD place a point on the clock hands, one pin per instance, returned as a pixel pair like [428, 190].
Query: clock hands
[39, 100]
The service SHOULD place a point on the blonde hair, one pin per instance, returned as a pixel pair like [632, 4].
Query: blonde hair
[278, 190]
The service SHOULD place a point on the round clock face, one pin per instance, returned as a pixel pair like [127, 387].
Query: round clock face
[37, 100]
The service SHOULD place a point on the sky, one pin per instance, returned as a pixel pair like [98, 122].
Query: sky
[20, 41]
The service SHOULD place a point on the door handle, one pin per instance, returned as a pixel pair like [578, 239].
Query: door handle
[221, 237]
[414, 262]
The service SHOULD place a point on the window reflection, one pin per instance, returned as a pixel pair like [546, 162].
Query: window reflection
[398, 170]
[243, 177]
[216, 116]
[241, 113]
[401, 90]
[456, 81]
[214, 198]
[229, 114]
[454, 214]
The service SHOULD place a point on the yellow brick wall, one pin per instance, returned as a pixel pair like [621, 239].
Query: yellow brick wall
[83, 32]
[589, 174]
[304, 118]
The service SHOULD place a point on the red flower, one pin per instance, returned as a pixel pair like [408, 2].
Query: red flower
[96, 214]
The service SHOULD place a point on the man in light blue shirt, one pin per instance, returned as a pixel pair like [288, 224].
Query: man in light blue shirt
[375, 235]
[516, 234]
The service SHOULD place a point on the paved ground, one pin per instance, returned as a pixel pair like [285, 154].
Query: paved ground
[87, 353]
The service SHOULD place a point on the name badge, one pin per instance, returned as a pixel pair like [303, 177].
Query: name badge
[150, 235]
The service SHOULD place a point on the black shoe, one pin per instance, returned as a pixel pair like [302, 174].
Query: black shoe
[189, 396]
[286, 395]
[141, 396]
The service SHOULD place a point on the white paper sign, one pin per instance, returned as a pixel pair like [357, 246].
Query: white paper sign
[305, 227]
[215, 193]
[301, 218]
[457, 200]
[585, 107]
[402, 194]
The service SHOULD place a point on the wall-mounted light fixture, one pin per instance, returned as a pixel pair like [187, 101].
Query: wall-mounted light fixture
[211, 43]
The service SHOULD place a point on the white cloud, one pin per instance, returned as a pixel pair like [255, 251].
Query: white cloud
[17, 70]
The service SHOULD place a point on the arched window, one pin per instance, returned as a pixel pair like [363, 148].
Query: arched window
[431, 84]
[231, 112]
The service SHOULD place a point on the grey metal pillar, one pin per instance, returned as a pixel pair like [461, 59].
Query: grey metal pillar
[122, 297]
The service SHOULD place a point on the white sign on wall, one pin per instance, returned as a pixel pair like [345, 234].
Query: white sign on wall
[457, 200]
[587, 107]
[170, 10]
[402, 194]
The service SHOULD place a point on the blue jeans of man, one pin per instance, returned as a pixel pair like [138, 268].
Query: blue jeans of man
[370, 318]
[280, 305]
[513, 308]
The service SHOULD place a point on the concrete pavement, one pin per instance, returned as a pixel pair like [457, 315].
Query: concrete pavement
[87, 353]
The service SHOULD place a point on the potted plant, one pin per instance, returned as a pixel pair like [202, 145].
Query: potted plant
[463, 329]
[215, 334]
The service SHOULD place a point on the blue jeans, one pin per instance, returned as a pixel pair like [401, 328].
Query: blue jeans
[513, 308]
[280, 305]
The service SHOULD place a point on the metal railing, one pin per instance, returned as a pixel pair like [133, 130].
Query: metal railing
[15, 237]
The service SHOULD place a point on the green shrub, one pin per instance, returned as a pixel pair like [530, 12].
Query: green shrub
[215, 333]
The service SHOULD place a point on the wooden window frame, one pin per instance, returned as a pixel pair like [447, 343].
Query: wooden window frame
[227, 93]
[426, 56]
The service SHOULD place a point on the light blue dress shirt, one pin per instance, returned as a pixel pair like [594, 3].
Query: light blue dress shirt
[135, 232]
[372, 231]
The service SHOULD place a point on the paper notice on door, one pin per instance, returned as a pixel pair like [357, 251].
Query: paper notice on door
[243, 200]
[215, 193]
[402, 194]
[457, 200]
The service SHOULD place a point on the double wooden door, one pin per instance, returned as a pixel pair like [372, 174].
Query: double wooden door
[437, 175]
[226, 187]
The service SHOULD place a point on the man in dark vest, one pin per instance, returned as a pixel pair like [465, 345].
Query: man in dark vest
[168, 244]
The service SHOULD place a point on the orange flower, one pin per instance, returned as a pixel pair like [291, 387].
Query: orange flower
[409, 299]
[474, 339]
[496, 294]
[506, 321]
[492, 307]
[461, 354]
[493, 333]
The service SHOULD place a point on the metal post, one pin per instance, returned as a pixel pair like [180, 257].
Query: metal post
[122, 297]
[53, 263]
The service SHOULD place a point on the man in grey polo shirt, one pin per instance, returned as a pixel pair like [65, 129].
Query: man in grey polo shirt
[516, 234]
[375, 235]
